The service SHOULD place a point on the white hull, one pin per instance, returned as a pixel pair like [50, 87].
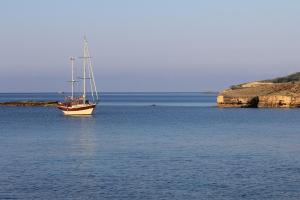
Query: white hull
[88, 111]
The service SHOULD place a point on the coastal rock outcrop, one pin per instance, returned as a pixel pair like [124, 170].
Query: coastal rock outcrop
[282, 92]
[240, 102]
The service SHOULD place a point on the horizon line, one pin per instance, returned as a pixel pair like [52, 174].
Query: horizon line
[28, 92]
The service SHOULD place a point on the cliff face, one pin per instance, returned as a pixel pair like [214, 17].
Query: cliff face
[261, 95]
[237, 102]
[279, 101]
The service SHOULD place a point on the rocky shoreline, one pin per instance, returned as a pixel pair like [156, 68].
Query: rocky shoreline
[30, 103]
[263, 94]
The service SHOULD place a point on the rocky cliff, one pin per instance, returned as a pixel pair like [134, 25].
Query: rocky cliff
[281, 92]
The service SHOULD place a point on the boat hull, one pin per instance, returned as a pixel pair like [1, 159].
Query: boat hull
[77, 110]
[88, 111]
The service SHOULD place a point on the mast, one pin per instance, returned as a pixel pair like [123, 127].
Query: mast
[72, 81]
[84, 69]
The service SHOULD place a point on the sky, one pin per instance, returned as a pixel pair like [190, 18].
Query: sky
[147, 45]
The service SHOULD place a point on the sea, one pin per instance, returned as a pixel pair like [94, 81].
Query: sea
[160, 146]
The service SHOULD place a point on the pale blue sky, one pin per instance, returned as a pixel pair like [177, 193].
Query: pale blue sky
[148, 45]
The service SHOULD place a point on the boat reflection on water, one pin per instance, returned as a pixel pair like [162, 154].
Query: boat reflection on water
[84, 140]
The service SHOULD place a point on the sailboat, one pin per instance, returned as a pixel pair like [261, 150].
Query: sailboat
[81, 105]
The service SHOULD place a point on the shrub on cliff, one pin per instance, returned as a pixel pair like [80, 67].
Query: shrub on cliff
[234, 87]
[285, 79]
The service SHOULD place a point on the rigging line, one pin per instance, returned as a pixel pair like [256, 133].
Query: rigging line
[89, 69]
[93, 79]
[92, 92]
[92, 75]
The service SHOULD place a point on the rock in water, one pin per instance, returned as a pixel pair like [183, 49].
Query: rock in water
[29, 103]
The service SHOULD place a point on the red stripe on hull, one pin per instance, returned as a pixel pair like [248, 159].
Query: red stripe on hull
[66, 108]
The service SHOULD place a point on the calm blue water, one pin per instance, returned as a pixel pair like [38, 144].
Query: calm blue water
[182, 148]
